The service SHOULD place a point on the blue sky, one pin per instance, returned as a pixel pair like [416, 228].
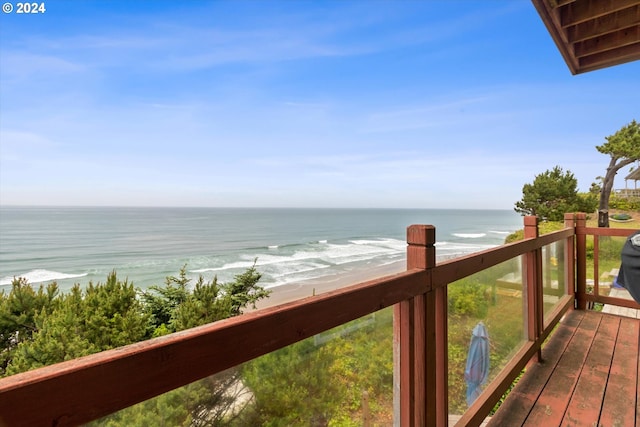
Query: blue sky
[411, 104]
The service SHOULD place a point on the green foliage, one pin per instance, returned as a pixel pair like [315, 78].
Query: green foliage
[467, 298]
[243, 291]
[161, 302]
[18, 313]
[624, 144]
[587, 202]
[174, 307]
[203, 305]
[293, 386]
[514, 237]
[208, 402]
[609, 249]
[101, 317]
[552, 194]
[321, 381]
[170, 409]
[624, 203]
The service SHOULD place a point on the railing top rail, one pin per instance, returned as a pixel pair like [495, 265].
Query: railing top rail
[102, 383]
[455, 269]
[604, 231]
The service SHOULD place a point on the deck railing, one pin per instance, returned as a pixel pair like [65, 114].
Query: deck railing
[88, 388]
[628, 192]
[589, 287]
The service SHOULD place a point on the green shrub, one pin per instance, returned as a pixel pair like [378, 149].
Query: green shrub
[469, 299]
[624, 203]
[609, 248]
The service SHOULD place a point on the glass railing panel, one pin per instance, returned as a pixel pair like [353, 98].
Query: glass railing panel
[603, 264]
[213, 401]
[342, 377]
[486, 318]
[553, 275]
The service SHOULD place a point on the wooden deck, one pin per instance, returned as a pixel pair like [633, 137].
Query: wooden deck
[616, 309]
[588, 377]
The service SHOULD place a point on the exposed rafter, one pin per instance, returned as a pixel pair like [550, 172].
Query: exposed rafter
[593, 34]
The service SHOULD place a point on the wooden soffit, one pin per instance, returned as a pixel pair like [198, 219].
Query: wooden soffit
[593, 34]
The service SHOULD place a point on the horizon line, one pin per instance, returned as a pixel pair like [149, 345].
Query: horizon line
[247, 207]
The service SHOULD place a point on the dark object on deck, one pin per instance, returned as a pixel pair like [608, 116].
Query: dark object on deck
[629, 275]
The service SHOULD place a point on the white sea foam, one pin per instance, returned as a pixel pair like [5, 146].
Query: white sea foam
[502, 233]
[448, 250]
[361, 250]
[39, 276]
[394, 244]
[470, 235]
[284, 265]
[273, 246]
[297, 269]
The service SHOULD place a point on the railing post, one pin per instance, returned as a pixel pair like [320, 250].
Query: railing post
[581, 261]
[420, 362]
[403, 363]
[569, 256]
[440, 319]
[535, 308]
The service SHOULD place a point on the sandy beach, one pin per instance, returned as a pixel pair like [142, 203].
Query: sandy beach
[294, 291]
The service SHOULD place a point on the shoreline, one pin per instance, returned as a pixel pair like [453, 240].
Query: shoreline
[287, 293]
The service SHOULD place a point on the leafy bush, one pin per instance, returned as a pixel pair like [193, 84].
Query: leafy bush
[469, 299]
[321, 382]
[624, 203]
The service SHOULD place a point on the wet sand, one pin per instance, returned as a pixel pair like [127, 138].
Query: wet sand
[291, 292]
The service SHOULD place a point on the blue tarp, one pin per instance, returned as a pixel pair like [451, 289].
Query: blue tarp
[477, 369]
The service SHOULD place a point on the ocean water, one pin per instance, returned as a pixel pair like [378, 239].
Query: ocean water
[81, 244]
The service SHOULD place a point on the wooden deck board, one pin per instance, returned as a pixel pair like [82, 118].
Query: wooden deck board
[620, 311]
[619, 406]
[589, 393]
[554, 399]
[589, 376]
[514, 411]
